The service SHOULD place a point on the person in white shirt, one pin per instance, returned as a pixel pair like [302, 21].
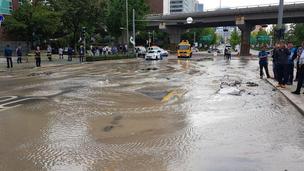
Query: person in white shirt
[60, 51]
[301, 73]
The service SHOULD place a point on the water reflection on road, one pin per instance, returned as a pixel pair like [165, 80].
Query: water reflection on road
[200, 114]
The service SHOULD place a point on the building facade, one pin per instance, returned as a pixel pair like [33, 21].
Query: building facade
[199, 7]
[7, 6]
[182, 6]
[158, 6]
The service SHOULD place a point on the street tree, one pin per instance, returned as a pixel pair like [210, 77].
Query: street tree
[116, 15]
[296, 34]
[77, 14]
[32, 22]
[235, 39]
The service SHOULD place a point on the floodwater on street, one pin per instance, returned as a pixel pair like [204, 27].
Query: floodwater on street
[203, 114]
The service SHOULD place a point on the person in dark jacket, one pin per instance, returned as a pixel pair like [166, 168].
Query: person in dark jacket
[274, 61]
[81, 54]
[282, 55]
[8, 53]
[301, 73]
[19, 54]
[38, 57]
[70, 53]
[263, 61]
[291, 58]
[300, 50]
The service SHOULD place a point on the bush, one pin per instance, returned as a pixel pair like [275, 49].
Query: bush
[109, 57]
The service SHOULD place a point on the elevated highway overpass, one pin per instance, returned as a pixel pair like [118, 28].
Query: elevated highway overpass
[245, 18]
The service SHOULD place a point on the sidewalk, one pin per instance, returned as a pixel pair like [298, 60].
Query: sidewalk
[296, 100]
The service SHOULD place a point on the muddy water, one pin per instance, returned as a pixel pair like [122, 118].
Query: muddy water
[138, 115]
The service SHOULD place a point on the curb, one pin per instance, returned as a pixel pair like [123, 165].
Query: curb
[294, 100]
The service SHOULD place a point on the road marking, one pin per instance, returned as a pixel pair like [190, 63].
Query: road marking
[9, 102]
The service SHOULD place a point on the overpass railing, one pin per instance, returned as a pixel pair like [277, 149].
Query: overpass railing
[240, 7]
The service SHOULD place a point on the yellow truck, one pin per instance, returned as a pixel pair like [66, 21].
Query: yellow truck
[184, 49]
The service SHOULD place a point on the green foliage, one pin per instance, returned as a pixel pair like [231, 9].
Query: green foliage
[235, 39]
[77, 14]
[32, 22]
[116, 15]
[296, 34]
[206, 36]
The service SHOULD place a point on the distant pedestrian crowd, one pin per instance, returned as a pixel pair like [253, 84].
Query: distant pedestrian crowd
[69, 51]
[286, 59]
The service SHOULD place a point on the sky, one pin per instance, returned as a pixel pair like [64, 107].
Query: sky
[213, 4]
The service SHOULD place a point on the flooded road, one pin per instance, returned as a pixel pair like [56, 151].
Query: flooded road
[172, 115]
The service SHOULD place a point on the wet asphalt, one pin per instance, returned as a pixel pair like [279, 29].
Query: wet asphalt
[172, 115]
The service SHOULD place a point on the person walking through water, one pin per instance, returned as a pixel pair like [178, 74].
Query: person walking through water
[301, 73]
[8, 53]
[81, 54]
[38, 57]
[282, 55]
[19, 54]
[49, 52]
[263, 61]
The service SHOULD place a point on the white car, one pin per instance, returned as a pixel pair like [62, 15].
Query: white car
[163, 52]
[153, 55]
[141, 51]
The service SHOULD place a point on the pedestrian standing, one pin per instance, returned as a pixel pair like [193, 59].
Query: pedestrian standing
[282, 55]
[301, 73]
[274, 61]
[19, 54]
[38, 57]
[81, 54]
[8, 53]
[263, 62]
[291, 58]
[49, 52]
[300, 50]
[60, 52]
[70, 53]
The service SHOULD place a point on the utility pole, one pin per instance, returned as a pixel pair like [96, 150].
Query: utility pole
[280, 29]
[194, 39]
[134, 33]
[127, 24]
[220, 3]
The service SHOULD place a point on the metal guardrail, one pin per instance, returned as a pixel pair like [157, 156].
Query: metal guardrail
[239, 7]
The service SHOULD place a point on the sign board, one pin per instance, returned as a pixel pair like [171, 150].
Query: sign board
[132, 40]
[263, 38]
[189, 20]
[240, 20]
[1, 19]
[162, 26]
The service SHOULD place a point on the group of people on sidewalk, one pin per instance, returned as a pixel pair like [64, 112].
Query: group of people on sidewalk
[8, 53]
[284, 57]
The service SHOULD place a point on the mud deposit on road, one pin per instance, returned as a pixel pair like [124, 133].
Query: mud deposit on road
[170, 115]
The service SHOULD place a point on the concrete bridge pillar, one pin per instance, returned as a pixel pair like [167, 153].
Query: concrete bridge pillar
[175, 36]
[245, 38]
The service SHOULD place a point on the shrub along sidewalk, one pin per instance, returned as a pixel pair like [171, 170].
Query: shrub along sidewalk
[110, 57]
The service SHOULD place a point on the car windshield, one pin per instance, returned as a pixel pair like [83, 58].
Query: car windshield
[183, 47]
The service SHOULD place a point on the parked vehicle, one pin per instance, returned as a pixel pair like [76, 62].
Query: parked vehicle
[153, 55]
[163, 52]
[212, 50]
[140, 51]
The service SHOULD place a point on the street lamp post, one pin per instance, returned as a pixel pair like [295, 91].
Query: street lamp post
[127, 24]
[280, 29]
